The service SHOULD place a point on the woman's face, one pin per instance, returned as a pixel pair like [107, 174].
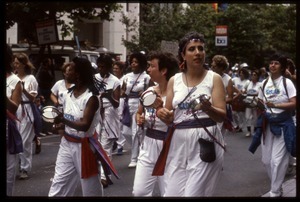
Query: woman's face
[102, 68]
[153, 71]
[134, 65]
[117, 71]
[194, 53]
[18, 65]
[254, 76]
[71, 75]
[275, 67]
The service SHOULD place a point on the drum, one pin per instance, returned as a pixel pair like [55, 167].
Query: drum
[49, 113]
[238, 104]
[250, 102]
[148, 98]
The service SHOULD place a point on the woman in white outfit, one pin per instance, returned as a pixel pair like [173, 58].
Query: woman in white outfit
[76, 161]
[252, 93]
[108, 128]
[58, 91]
[240, 83]
[134, 84]
[162, 67]
[24, 69]
[13, 100]
[279, 141]
[183, 160]
[118, 71]
[219, 65]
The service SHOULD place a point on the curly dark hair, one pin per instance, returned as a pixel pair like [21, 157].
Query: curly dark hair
[141, 58]
[85, 71]
[106, 60]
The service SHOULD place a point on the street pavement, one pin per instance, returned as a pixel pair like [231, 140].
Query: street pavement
[243, 174]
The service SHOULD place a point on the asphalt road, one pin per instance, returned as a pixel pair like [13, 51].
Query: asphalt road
[243, 174]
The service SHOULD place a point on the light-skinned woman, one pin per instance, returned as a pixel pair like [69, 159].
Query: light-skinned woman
[190, 169]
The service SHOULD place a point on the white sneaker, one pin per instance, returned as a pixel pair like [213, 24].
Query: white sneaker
[132, 164]
[248, 134]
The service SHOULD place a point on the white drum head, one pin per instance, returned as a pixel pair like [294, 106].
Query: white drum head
[49, 113]
[148, 98]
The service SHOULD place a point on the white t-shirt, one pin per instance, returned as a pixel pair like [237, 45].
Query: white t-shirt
[112, 82]
[274, 91]
[58, 90]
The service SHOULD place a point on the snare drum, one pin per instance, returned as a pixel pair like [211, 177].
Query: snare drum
[49, 113]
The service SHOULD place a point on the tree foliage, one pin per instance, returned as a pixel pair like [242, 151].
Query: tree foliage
[27, 13]
[254, 30]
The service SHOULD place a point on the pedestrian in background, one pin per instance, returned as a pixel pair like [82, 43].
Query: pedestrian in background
[162, 67]
[263, 74]
[108, 128]
[58, 91]
[24, 69]
[279, 141]
[251, 108]
[190, 169]
[220, 65]
[134, 84]
[118, 71]
[240, 83]
[13, 101]
[46, 79]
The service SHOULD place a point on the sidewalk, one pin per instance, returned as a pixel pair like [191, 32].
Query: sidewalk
[289, 188]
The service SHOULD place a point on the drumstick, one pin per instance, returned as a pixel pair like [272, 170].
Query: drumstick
[266, 99]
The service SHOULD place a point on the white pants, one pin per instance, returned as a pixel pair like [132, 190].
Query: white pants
[68, 173]
[107, 144]
[185, 173]
[132, 138]
[11, 163]
[239, 119]
[275, 158]
[144, 182]
[27, 132]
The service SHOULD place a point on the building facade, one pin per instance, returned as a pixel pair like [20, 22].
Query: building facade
[106, 35]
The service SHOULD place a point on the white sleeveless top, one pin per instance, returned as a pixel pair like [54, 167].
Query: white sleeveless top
[151, 120]
[73, 111]
[183, 112]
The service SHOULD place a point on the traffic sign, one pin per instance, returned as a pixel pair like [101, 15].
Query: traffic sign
[221, 41]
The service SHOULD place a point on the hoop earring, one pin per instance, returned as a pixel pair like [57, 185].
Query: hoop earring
[182, 66]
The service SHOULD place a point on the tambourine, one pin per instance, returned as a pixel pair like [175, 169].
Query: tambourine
[148, 98]
[49, 113]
